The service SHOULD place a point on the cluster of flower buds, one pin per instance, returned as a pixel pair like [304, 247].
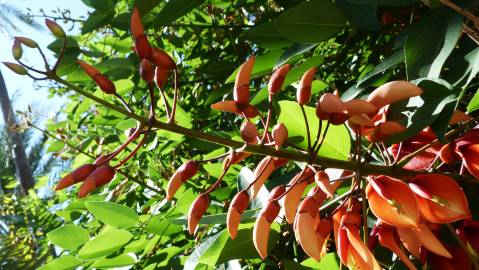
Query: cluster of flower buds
[92, 176]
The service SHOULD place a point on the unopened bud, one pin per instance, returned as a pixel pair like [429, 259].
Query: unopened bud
[197, 210]
[142, 47]
[27, 42]
[99, 177]
[17, 50]
[249, 133]
[136, 26]
[241, 88]
[147, 70]
[277, 79]
[162, 60]
[55, 28]
[280, 135]
[182, 174]
[16, 68]
[303, 94]
[161, 76]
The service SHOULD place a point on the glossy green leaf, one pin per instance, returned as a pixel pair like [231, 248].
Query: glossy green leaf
[267, 36]
[430, 42]
[292, 51]
[224, 248]
[175, 9]
[113, 214]
[216, 219]
[69, 236]
[337, 143]
[474, 103]
[463, 68]
[105, 244]
[263, 64]
[390, 62]
[118, 261]
[96, 20]
[66, 262]
[311, 22]
[363, 16]
[329, 262]
[162, 226]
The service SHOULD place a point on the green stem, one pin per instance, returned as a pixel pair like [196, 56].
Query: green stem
[395, 171]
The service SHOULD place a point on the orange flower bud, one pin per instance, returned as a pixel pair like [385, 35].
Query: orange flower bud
[387, 239]
[77, 175]
[280, 135]
[261, 173]
[303, 93]
[241, 88]
[234, 107]
[249, 133]
[105, 84]
[292, 199]
[322, 180]
[392, 92]
[276, 192]
[16, 68]
[358, 106]
[182, 174]
[162, 60]
[237, 207]
[55, 28]
[147, 70]
[197, 210]
[262, 226]
[330, 105]
[17, 50]
[99, 177]
[27, 42]
[136, 26]
[277, 79]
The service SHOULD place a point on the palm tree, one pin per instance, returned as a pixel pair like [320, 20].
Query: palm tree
[23, 169]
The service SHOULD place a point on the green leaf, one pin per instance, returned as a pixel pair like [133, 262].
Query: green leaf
[105, 244]
[96, 20]
[267, 36]
[463, 69]
[99, 4]
[329, 262]
[174, 9]
[292, 51]
[69, 236]
[118, 261]
[337, 143]
[430, 42]
[224, 248]
[474, 103]
[423, 110]
[113, 214]
[311, 22]
[146, 6]
[362, 15]
[55, 146]
[391, 61]
[72, 46]
[66, 262]
[161, 226]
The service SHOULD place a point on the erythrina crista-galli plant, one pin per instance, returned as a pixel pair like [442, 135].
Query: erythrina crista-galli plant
[398, 187]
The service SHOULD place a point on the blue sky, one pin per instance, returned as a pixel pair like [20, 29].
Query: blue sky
[21, 88]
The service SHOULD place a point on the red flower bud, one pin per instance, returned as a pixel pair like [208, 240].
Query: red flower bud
[249, 133]
[99, 177]
[105, 84]
[147, 71]
[197, 210]
[182, 174]
[77, 175]
[55, 28]
[280, 135]
[277, 79]
[162, 60]
[142, 47]
[136, 26]
[237, 207]
[303, 94]
[241, 88]
[161, 76]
